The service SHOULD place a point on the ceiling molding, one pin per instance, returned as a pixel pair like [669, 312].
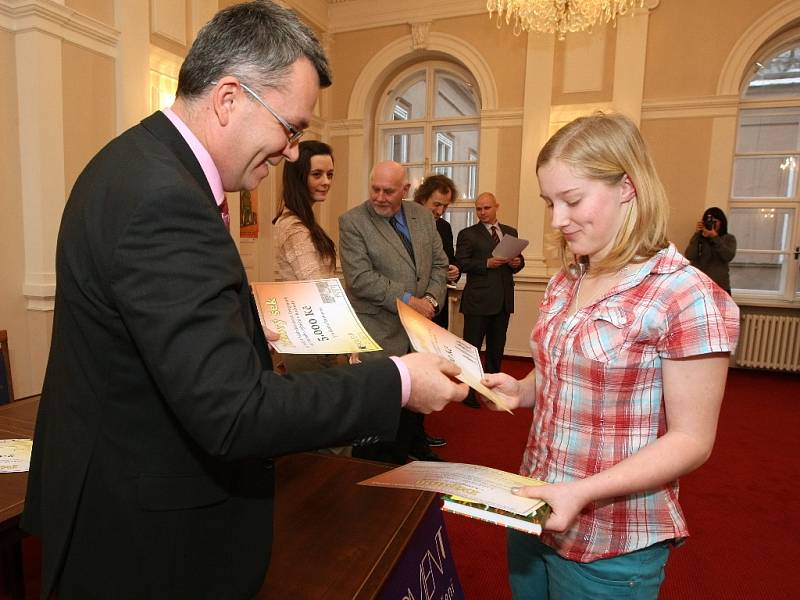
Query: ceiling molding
[21, 16]
[352, 15]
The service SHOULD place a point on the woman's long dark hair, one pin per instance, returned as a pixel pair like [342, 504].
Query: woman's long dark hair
[719, 216]
[297, 199]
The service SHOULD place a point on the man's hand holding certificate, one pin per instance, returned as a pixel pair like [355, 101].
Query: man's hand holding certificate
[427, 336]
[311, 317]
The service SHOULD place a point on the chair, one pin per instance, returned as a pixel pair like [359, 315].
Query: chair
[6, 388]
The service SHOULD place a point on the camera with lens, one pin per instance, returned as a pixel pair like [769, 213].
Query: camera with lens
[708, 222]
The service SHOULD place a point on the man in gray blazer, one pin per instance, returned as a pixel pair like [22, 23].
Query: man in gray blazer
[390, 250]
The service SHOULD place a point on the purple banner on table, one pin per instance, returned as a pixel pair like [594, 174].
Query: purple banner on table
[426, 570]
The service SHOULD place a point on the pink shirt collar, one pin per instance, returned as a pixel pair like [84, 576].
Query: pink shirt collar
[200, 153]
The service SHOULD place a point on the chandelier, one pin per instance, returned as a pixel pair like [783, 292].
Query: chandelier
[558, 16]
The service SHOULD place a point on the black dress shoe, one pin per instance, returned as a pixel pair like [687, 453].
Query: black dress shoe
[435, 442]
[472, 402]
[425, 456]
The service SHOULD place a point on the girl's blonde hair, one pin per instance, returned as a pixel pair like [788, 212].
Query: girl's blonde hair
[607, 147]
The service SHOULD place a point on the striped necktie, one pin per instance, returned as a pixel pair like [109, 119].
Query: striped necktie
[495, 237]
[226, 216]
[403, 237]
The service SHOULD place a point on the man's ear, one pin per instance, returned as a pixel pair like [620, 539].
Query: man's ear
[224, 98]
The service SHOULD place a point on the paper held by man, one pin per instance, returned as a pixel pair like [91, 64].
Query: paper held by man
[509, 247]
[312, 317]
[427, 336]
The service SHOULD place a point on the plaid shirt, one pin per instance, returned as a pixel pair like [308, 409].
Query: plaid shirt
[599, 392]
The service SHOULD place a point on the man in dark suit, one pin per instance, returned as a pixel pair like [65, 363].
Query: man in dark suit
[390, 250]
[488, 298]
[151, 474]
[435, 193]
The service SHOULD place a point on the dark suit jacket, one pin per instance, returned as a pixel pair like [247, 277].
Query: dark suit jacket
[487, 291]
[446, 234]
[150, 475]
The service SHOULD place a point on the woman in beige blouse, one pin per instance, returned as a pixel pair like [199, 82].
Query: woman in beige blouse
[305, 251]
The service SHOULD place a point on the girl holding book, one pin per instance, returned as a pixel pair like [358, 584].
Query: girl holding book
[631, 355]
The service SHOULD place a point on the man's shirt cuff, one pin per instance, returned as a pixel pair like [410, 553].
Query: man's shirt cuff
[405, 380]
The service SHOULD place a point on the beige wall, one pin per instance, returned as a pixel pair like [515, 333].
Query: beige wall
[504, 53]
[688, 43]
[89, 100]
[12, 266]
[680, 149]
[349, 54]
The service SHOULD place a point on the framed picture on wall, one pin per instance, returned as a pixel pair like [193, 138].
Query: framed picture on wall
[248, 214]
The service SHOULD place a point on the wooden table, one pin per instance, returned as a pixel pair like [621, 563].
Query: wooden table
[17, 420]
[335, 539]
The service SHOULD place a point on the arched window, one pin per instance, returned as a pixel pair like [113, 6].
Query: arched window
[765, 200]
[429, 121]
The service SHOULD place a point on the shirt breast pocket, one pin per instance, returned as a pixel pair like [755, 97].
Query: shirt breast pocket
[610, 336]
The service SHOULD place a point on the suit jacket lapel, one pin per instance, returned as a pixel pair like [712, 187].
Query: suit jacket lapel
[387, 231]
[416, 235]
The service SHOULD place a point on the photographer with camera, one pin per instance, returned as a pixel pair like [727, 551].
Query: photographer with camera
[712, 247]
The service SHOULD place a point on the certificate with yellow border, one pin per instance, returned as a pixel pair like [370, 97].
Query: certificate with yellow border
[312, 317]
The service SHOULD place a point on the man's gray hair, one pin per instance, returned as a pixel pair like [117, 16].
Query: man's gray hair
[257, 42]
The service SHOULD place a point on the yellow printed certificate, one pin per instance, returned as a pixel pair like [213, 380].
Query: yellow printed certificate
[427, 336]
[312, 317]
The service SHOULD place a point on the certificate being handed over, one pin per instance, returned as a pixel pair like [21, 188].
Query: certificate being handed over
[427, 336]
[312, 317]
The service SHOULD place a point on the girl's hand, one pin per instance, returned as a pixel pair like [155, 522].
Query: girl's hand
[565, 499]
[506, 386]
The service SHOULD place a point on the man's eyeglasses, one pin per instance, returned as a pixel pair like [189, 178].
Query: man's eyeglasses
[293, 133]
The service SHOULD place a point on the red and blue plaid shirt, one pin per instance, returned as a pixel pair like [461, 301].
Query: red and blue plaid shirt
[599, 392]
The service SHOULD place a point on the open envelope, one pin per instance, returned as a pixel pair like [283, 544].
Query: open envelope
[427, 336]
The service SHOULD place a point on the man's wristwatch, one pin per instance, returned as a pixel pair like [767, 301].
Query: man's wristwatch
[432, 300]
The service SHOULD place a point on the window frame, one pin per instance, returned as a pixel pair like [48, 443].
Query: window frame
[428, 124]
[790, 273]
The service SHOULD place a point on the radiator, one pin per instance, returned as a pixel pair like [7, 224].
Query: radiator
[769, 342]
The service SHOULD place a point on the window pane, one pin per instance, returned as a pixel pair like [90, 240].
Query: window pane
[780, 76]
[415, 177]
[461, 139]
[404, 145]
[757, 272]
[764, 177]
[460, 218]
[767, 230]
[408, 100]
[775, 130]
[464, 176]
[455, 97]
